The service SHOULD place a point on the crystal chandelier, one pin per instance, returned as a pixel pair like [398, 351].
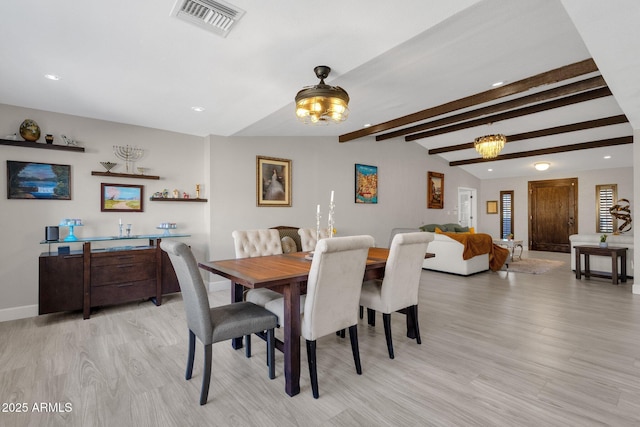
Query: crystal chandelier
[489, 146]
[321, 104]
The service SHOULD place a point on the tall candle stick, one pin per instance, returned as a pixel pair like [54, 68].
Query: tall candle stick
[331, 196]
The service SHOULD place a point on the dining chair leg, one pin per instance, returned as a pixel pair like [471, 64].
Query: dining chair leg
[247, 345]
[206, 377]
[190, 355]
[361, 312]
[313, 370]
[340, 333]
[371, 317]
[416, 326]
[386, 320]
[353, 335]
[271, 353]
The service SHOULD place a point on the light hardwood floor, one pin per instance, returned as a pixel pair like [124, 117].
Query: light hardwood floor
[498, 349]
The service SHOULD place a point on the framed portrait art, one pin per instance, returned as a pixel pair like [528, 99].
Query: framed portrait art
[366, 181]
[435, 190]
[29, 180]
[121, 198]
[273, 181]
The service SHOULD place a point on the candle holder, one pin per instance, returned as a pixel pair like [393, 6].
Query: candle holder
[318, 216]
[331, 219]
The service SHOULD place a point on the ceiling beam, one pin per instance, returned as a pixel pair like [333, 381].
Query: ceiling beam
[589, 124]
[532, 109]
[551, 150]
[583, 85]
[553, 76]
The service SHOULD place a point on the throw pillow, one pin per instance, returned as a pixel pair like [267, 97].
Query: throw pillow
[288, 245]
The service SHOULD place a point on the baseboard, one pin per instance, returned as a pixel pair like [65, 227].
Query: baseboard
[220, 285]
[15, 313]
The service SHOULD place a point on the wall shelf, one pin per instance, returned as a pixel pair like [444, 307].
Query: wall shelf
[29, 144]
[124, 175]
[167, 199]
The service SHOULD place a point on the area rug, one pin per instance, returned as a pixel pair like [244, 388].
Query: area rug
[532, 265]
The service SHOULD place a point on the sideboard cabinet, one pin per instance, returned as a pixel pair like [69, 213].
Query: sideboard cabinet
[90, 277]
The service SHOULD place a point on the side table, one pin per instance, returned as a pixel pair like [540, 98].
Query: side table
[613, 252]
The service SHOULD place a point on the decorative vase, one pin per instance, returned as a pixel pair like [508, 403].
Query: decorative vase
[604, 244]
[30, 130]
[49, 138]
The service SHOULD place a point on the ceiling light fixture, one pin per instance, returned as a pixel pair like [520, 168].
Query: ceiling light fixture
[52, 77]
[322, 103]
[198, 109]
[496, 84]
[489, 146]
[542, 166]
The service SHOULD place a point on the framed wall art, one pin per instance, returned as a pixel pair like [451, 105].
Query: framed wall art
[435, 190]
[30, 180]
[492, 206]
[366, 184]
[273, 181]
[121, 198]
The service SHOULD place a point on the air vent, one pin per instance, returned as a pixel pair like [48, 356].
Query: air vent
[215, 16]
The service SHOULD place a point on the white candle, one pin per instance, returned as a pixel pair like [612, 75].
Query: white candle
[318, 211]
[120, 222]
[331, 196]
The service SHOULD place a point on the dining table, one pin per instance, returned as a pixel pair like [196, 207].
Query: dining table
[286, 274]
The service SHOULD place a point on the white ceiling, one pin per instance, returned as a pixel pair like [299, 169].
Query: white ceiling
[131, 62]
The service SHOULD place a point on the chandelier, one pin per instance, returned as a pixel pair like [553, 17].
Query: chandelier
[489, 146]
[321, 104]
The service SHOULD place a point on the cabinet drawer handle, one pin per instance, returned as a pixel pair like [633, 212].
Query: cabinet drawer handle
[123, 258]
[126, 266]
[71, 256]
[124, 285]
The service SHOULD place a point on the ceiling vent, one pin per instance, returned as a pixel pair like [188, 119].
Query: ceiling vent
[215, 16]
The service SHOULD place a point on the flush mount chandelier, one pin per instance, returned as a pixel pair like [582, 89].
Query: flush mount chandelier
[322, 103]
[489, 146]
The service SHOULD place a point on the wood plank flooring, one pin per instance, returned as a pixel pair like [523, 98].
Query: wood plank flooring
[498, 349]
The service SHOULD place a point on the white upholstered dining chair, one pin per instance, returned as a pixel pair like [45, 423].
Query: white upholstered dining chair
[333, 292]
[212, 325]
[399, 288]
[308, 237]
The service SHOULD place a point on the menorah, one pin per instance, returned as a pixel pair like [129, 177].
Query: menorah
[128, 154]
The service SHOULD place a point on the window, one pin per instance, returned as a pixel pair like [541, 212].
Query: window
[506, 213]
[606, 195]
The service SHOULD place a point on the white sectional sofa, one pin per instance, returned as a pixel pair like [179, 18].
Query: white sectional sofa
[449, 257]
[600, 263]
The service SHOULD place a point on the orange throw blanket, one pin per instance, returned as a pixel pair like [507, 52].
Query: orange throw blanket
[478, 244]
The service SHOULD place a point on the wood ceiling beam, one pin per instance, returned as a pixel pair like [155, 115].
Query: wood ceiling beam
[551, 150]
[589, 124]
[583, 85]
[553, 76]
[532, 109]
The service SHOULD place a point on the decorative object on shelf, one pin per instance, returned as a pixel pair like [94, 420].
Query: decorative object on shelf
[366, 184]
[603, 241]
[273, 181]
[322, 103]
[69, 141]
[49, 138]
[492, 206]
[197, 191]
[331, 218]
[157, 195]
[622, 211]
[165, 193]
[435, 190]
[108, 165]
[29, 130]
[121, 198]
[141, 170]
[176, 193]
[167, 226]
[489, 146]
[29, 180]
[11, 137]
[185, 195]
[129, 154]
[71, 223]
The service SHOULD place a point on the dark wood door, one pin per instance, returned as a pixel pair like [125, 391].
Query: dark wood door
[553, 214]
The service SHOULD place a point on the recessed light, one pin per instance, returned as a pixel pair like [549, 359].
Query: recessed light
[607, 157]
[52, 77]
[496, 84]
[490, 170]
[366, 125]
[198, 109]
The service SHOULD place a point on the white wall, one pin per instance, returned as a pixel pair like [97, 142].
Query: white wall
[587, 181]
[178, 159]
[320, 165]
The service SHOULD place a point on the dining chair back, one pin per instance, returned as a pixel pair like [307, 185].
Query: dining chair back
[398, 290]
[211, 325]
[308, 239]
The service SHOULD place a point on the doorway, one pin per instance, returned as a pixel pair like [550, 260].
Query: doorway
[467, 207]
[553, 214]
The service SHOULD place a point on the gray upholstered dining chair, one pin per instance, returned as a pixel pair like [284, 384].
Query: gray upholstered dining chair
[398, 289]
[211, 325]
[308, 237]
[333, 291]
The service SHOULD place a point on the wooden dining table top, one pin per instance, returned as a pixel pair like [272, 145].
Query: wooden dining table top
[272, 270]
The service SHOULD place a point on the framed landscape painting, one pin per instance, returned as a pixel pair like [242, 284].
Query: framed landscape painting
[435, 190]
[273, 181]
[30, 180]
[366, 181]
[121, 198]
